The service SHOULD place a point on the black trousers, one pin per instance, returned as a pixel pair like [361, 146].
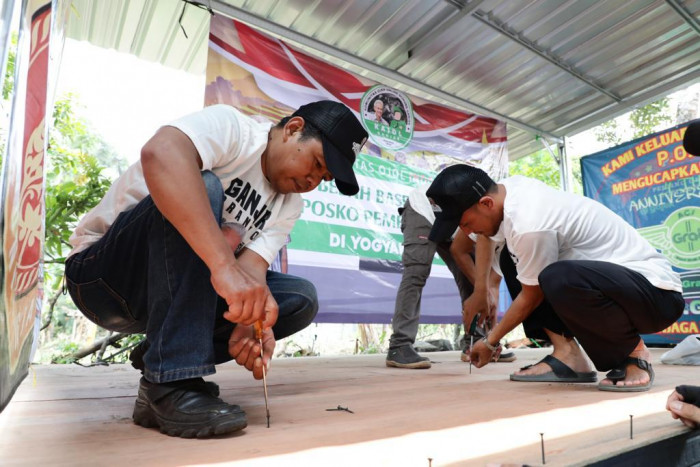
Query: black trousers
[604, 305]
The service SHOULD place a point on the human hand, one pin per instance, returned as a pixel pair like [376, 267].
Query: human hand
[689, 414]
[245, 349]
[480, 355]
[248, 299]
[476, 304]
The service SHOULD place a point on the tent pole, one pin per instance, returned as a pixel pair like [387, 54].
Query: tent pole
[564, 172]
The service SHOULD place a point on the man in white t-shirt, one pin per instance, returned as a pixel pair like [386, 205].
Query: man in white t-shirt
[417, 259]
[605, 283]
[417, 219]
[180, 245]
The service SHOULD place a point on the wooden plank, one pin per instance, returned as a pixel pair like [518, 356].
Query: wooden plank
[69, 415]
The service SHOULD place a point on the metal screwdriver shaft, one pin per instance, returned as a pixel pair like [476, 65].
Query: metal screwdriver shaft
[471, 345]
[258, 336]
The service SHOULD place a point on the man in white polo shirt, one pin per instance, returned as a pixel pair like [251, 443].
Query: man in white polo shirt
[605, 283]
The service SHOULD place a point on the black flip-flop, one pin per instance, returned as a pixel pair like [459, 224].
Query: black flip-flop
[561, 373]
[619, 374]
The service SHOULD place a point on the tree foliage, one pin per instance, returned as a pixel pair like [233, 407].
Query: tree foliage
[75, 167]
[642, 121]
[651, 118]
[608, 132]
[540, 166]
[75, 181]
[9, 81]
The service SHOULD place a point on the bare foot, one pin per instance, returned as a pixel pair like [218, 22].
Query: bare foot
[635, 375]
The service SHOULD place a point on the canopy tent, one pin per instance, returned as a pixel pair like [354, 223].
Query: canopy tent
[550, 68]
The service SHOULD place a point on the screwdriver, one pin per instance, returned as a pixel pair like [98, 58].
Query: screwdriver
[258, 336]
[471, 345]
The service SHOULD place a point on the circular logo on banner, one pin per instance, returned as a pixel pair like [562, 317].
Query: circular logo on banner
[388, 117]
[678, 237]
[684, 230]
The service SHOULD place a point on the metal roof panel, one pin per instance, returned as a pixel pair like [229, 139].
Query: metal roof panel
[547, 66]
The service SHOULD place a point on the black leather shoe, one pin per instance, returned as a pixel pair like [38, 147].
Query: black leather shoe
[136, 358]
[186, 409]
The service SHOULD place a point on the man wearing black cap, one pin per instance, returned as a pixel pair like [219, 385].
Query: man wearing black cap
[417, 258]
[180, 245]
[605, 285]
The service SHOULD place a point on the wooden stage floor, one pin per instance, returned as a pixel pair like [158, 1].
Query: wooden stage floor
[444, 416]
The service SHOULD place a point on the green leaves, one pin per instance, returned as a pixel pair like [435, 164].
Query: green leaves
[540, 165]
[75, 179]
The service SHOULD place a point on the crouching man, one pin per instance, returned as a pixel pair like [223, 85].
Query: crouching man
[180, 245]
[604, 283]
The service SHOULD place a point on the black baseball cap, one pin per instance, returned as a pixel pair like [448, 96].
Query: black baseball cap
[342, 136]
[691, 139]
[454, 190]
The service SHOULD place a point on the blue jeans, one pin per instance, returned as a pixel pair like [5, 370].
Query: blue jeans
[142, 276]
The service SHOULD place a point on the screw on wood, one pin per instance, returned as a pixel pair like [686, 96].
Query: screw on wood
[631, 433]
[542, 445]
[341, 409]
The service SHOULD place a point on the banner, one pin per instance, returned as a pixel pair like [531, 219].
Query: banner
[655, 186]
[22, 199]
[350, 247]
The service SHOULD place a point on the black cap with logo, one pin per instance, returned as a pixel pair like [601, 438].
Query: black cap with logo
[454, 190]
[342, 136]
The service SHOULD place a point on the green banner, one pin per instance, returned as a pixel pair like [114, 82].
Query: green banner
[342, 240]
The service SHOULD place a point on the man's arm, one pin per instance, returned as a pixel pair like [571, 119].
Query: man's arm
[523, 305]
[172, 170]
[461, 248]
[478, 301]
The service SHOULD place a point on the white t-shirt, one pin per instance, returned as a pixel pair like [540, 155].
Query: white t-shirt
[230, 144]
[542, 225]
[420, 203]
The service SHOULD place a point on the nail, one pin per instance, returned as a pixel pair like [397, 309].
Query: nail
[676, 405]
